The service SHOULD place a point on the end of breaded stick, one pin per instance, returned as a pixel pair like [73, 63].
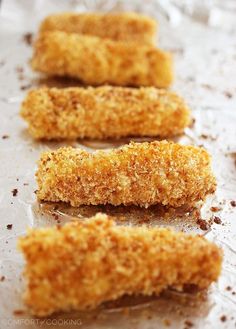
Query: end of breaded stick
[115, 26]
[97, 61]
[142, 174]
[83, 264]
[104, 112]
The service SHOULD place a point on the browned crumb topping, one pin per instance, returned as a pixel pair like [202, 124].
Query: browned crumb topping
[118, 27]
[217, 220]
[28, 38]
[188, 324]
[93, 261]
[139, 173]
[233, 203]
[166, 322]
[18, 312]
[203, 224]
[25, 87]
[14, 192]
[98, 61]
[215, 209]
[104, 112]
[223, 318]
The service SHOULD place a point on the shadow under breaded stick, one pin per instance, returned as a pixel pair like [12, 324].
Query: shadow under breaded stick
[104, 112]
[84, 264]
[139, 173]
[115, 26]
[99, 61]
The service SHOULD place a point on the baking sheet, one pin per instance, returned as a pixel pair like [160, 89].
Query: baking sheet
[201, 35]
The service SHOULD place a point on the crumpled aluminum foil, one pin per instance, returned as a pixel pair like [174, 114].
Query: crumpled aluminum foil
[201, 35]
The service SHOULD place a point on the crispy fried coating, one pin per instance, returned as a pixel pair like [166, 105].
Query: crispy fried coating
[139, 173]
[115, 26]
[104, 112]
[84, 264]
[99, 61]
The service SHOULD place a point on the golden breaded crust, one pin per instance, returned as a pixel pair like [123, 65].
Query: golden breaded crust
[104, 112]
[139, 173]
[118, 26]
[84, 264]
[98, 61]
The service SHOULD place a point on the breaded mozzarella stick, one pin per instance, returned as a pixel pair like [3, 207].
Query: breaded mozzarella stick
[98, 61]
[104, 112]
[115, 26]
[86, 263]
[139, 173]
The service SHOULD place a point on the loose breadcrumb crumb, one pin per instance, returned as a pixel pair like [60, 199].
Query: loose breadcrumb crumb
[139, 173]
[98, 61]
[115, 26]
[104, 112]
[84, 264]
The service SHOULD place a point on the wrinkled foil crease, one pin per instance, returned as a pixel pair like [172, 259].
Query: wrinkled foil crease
[201, 35]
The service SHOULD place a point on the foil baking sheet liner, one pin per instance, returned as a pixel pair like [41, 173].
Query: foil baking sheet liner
[201, 35]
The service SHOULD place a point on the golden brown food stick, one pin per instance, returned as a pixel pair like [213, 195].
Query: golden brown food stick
[98, 61]
[86, 263]
[139, 173]
[118, 26]
[104, 112]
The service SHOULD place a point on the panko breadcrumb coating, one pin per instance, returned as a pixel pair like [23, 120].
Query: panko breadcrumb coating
[86, 263]
[98, 61]
[104, 112]
[139, 173]
[115, 26]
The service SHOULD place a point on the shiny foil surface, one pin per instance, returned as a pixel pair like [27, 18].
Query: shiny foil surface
[202, 37]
